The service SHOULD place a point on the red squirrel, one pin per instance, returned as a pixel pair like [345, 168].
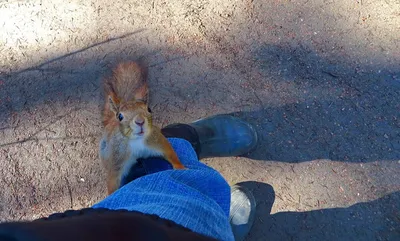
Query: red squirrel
[129, 133]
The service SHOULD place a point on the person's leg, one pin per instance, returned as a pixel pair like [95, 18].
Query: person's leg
[215, 136]
[197, 198]
[220, 135]
[183, 131]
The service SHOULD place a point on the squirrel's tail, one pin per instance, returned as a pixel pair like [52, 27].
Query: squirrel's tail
[127, 83]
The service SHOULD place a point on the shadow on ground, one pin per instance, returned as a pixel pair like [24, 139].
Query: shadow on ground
[70, 78]
[375, 220]
[342, 112]
[335, 130]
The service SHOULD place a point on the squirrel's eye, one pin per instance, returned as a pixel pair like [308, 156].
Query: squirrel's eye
[120, 117]
[148, 109]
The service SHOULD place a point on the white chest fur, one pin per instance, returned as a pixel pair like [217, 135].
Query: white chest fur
[138, 150]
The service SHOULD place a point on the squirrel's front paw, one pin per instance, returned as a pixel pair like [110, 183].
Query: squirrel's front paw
[179, 167]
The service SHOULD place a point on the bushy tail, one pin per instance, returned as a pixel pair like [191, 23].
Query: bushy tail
[127, 83]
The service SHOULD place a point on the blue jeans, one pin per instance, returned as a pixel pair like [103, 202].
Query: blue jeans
[197, 198]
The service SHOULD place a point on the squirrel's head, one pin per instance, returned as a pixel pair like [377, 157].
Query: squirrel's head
[134, 118]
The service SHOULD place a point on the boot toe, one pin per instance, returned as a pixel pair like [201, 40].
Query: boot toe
[242, 211]
[225, 135]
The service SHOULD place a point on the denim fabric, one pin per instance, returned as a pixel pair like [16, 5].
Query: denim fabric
[197, 198]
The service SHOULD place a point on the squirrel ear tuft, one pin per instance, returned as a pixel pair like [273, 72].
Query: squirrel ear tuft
[142, 93]
[113, 105]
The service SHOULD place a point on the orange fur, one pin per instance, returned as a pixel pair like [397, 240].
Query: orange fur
[126, 92]
[127, 83]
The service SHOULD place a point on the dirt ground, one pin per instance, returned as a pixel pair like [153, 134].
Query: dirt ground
[319, 79]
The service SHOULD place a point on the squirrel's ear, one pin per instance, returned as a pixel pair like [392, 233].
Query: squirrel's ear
[113, 105]
[141, 93]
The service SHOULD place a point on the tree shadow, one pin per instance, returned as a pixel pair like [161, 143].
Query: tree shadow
[375, 220]
[44, 66]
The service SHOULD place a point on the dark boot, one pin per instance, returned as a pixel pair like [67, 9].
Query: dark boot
[216, 136]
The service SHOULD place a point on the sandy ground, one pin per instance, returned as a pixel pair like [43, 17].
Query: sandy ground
[319, 79]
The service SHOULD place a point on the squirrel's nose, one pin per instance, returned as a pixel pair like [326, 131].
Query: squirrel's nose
[139, 121]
